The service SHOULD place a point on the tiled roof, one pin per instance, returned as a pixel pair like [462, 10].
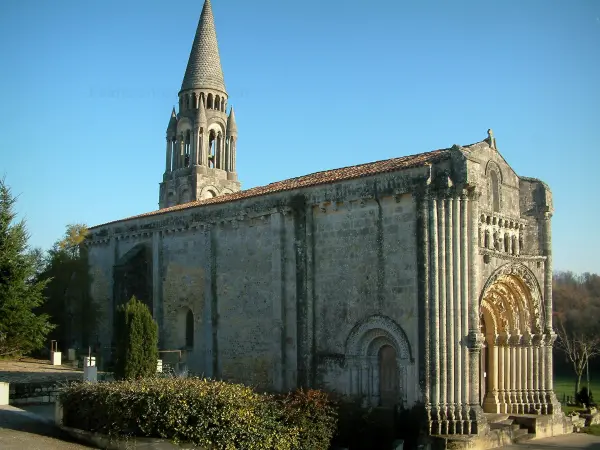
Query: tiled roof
[313, 179]
[204, 66]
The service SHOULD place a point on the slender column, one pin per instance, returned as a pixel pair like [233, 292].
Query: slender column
[464, 223]
[513, 376]
[193, 150]
[553, 404]
[220, 151]
[442, 285]
[435, 318]
[450, 313]
[500, 373]
[181, 151]
[475, 336]
[530, 387]
[542, 363]
[536, 371]
[507, 377]
[234, 154]
[456, 227]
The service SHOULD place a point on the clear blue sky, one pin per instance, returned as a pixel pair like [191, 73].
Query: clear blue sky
[86, 89]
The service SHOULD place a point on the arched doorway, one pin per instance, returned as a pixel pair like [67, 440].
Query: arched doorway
[511, 322]
[388, 376]
[379, 364]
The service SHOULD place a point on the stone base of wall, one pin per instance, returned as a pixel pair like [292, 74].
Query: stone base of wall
[33, 393]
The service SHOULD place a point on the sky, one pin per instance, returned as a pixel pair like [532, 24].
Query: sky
[86, 90]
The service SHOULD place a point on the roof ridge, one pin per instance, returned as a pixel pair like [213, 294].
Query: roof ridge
[309, 180]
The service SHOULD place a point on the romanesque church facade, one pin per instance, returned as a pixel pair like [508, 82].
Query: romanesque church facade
[423, 278]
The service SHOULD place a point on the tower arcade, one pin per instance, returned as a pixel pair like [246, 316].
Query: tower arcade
[201, 139]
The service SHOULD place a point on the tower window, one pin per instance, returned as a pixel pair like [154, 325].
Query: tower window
[495, 191]
[189, 329]
[209, 101]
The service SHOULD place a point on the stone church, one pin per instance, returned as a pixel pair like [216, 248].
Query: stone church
[423, 278]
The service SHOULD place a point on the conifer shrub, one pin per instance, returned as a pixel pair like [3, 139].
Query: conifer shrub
[136, 341]
[206, 413]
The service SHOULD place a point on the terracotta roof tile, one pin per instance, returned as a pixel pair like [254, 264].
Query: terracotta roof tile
[313, 179]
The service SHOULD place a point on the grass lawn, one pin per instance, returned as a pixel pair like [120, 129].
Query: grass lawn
[594, 429]
[564, 386]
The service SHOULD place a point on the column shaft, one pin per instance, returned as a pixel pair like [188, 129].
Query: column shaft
[443, 300]
[435, 316]
[456, 227]
[464, 226]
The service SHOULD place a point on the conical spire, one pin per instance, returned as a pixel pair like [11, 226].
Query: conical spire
[204, 66]
[172, 121]
[201, 116]
[231, 126]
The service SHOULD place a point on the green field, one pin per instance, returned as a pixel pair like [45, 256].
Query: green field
[564, 386]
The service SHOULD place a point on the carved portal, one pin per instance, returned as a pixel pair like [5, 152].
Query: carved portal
[377, 356]
[512, 319]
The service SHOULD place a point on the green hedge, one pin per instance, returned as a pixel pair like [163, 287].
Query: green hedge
[209, 414]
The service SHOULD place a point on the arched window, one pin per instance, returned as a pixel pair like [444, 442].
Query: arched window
[212, 144]
[189, 329]
[217, 102]
[209, 101]
[187, 148]
[495, 191]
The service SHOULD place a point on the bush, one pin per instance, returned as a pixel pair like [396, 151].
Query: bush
[206, 413]
[314, 417]
[585, 397]
[137, 341]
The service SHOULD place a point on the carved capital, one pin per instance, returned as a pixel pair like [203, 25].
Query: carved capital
[549, 338]
[475, 340]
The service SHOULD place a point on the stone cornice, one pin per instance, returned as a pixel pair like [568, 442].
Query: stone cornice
[508, 257]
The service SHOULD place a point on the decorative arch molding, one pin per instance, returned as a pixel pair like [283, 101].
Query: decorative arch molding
[363, 338]
[367, 373]
[493, 166]
[209, 191]
[517, 281]
[184, 124]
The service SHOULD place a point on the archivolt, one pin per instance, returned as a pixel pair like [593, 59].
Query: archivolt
[367, 337]
[512, 298]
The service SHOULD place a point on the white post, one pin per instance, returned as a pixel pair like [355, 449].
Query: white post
[90, 371]
[4, 391]
[159, 367]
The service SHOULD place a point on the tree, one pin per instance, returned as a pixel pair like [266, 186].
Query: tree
[579, 347]
[69, 302]
[21, 329]
[137, 341]
[577, 319]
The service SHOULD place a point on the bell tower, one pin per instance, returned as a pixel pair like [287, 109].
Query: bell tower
[201, 138]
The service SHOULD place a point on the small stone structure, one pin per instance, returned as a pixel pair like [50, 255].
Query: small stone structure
[4, 393]
[423, 278]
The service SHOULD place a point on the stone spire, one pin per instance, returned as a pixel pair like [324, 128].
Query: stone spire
[231, 126]
[201, 116]
[172, 121]
[204, 66]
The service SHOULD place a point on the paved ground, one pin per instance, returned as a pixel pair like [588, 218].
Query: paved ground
[29, 370]
[23, 430]
[575, 441]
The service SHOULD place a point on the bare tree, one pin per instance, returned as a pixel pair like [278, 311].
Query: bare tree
[579, 346]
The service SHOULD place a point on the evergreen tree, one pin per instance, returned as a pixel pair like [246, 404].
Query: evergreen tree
[69, 303]
[137, 341]
[21, 329]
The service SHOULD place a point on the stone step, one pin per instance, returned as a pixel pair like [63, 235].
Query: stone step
[507, 424]
[524, 437]
[519, 432]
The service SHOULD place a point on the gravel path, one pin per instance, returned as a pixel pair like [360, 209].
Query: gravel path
[22, 430]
